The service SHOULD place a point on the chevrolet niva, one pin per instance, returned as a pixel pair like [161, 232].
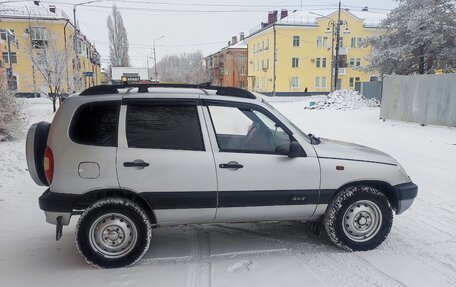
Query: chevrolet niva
[129, 158]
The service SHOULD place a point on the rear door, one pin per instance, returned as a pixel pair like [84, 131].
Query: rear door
[164, 154]
[256, 178]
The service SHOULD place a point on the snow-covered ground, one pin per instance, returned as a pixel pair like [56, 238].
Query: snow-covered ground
[420, 250]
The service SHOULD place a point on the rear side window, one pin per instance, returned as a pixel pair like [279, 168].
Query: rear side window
[164, 127]
[96, 124]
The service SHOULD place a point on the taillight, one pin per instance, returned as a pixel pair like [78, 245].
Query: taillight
[48, 164]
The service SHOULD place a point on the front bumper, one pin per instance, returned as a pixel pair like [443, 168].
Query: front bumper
[405, 194]
[57, 204]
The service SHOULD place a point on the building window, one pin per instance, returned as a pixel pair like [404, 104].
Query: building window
[295, 62]
[38, 36]
[267, 44]
[295, 82]
[318, 63]
[358, 62]
[3, 34]
[351, 82]
[317, 82]
[12, 82]
[352, 62]
[319, 42]
[341, 42]
[296, 41]
[262, 46]
[242, 71]
[13, 57]
[360, 42]
[323, 82]
[325, 42]
[323, 62]
[353, 42]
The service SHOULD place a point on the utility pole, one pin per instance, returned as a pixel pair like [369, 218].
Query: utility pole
[9, 74]
[155, 59]
[275, 62]
[336, 66]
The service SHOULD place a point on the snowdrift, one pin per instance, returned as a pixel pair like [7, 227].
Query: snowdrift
[343, 100]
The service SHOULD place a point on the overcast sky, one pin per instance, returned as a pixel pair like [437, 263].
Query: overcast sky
[187, 25]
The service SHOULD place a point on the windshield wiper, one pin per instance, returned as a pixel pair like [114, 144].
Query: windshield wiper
[314, 139]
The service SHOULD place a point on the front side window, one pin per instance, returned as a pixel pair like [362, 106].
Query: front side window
[248, 130]
[164, 127]
[96, 124]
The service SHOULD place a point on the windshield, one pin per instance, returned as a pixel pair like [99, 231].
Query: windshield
[303, 134]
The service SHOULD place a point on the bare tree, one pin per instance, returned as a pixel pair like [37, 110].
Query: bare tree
[184, 68]
[50, 58]
[118, 40]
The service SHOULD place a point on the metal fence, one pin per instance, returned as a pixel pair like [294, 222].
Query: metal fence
[370, 90]
[424, 99]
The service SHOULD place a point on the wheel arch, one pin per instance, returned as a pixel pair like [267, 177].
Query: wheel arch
[382, 186]
[90, 197]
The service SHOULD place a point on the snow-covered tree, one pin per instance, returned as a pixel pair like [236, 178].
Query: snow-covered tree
[420, 38]
[118, 40]
[51, 60]
[11, 117]
[184, 68]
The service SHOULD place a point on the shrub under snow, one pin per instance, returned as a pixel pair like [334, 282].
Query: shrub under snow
[344, 100]
[11, 115]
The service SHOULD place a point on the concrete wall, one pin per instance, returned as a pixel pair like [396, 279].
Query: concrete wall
[424, 99]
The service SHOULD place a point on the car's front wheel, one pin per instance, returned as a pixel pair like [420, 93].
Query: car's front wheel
[112, 233]
[359, 218]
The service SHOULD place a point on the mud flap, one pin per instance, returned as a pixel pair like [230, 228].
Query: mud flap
[58, 228]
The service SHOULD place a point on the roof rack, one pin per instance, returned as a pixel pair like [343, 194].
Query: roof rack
[144, 88]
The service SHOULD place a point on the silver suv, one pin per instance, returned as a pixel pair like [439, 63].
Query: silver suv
[130, 158]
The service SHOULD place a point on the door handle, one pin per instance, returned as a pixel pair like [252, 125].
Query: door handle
[136, 163]
[231, 165]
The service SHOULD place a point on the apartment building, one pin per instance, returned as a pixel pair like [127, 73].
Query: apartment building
[44, 36]
[293, 53]
[228, 66]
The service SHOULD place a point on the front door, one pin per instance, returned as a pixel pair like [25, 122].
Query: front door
[164, 154]
[256, 178]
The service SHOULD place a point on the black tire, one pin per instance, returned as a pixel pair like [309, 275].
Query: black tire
[343, 224]
[129, 217]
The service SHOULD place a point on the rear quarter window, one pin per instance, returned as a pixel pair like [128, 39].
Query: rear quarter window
[96, 124]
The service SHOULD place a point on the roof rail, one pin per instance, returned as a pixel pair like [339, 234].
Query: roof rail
[144, 88]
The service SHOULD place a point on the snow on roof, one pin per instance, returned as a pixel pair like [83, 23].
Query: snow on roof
[305, 17]
[239, 45]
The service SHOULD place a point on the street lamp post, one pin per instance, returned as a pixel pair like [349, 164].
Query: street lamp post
[335, 27]
[155, 59]
[75, 40]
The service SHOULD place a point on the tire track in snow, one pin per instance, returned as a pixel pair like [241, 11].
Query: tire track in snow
[380, 271]
[200, 270]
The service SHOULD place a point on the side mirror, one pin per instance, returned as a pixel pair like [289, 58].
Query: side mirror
[295, 149]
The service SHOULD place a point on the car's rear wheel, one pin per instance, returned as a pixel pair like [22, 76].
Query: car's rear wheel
[359, 218]
[113, 233]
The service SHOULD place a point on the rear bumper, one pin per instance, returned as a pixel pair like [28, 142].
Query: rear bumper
[405, 194]
[57, 204]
